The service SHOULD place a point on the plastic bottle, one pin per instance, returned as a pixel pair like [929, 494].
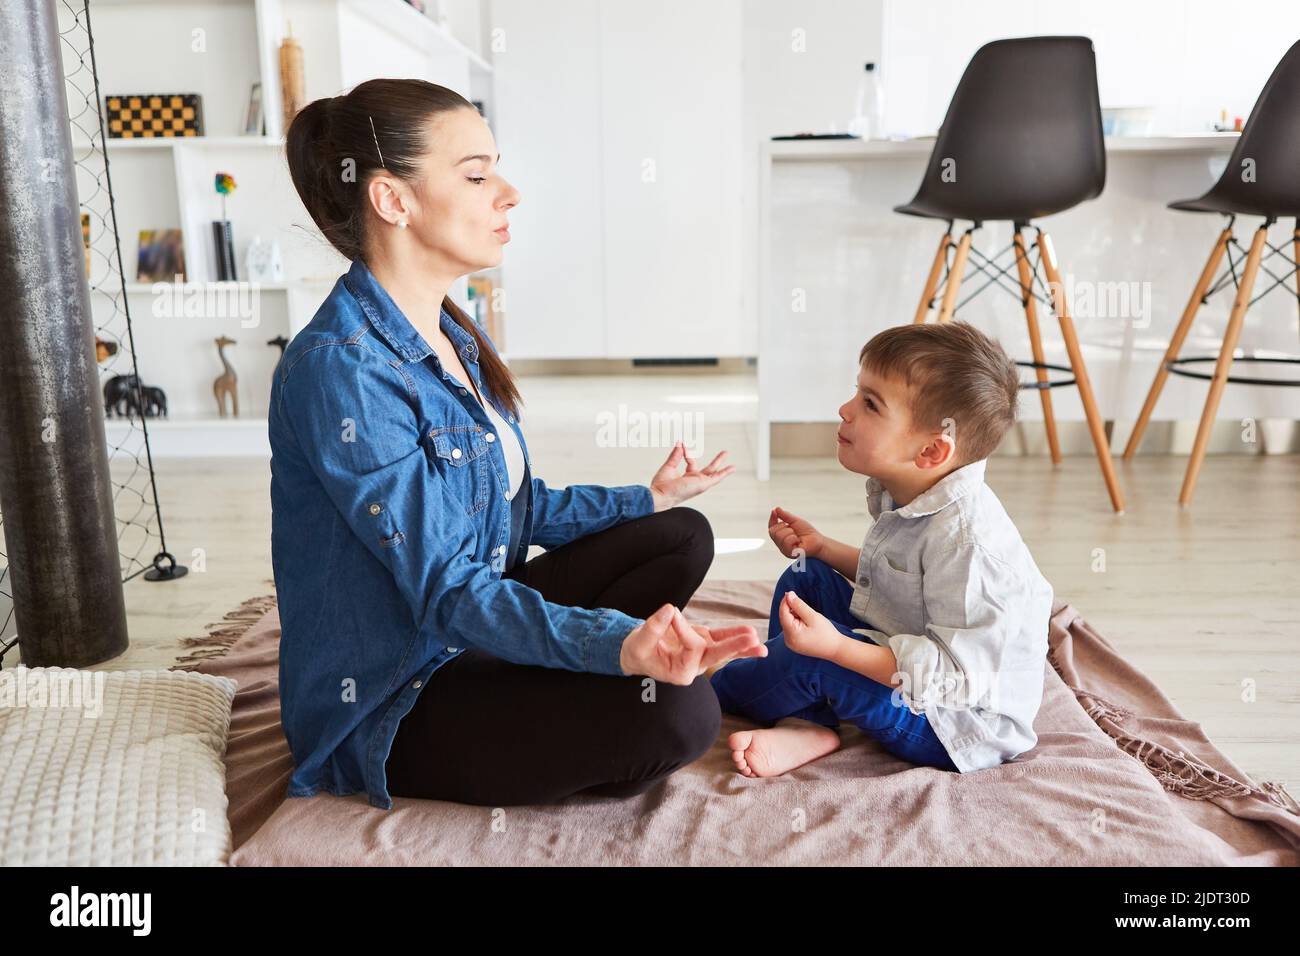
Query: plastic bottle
[869, 115]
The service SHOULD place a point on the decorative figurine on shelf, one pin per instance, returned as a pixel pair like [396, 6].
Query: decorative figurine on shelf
[224, 384]
[263, 261]
[155, 401]
[120, 396]
[281, 341]
[222, 234]
[292, 84]
[125, 396]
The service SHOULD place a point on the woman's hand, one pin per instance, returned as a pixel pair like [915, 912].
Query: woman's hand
[793, 535]
[667, 648]
[806, 630]
[669, 488]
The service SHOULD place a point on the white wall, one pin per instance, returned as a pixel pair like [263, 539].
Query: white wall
[1186, 59]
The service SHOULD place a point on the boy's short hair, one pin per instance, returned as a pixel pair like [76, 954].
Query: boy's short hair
[954, 372]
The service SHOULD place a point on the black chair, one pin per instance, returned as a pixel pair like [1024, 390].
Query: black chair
[1022, 139]
[1262, 178]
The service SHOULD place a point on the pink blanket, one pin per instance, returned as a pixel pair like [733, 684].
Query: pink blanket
[1118, 777]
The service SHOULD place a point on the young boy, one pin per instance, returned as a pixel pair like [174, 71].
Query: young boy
[932, 636]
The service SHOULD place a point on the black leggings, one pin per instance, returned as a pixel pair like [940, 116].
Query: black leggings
[489, 732]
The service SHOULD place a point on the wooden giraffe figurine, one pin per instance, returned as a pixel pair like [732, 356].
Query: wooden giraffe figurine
[225, 382]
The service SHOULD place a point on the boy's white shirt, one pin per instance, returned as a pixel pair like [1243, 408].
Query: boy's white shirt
[947, 583]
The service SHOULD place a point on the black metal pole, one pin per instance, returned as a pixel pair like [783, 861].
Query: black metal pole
[55, 489]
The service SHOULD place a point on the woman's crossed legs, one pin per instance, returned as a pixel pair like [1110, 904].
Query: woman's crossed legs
[489, 732]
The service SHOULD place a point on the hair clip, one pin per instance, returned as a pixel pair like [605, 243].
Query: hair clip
[377, 149]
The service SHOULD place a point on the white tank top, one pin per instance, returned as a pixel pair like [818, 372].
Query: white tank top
[509, 447]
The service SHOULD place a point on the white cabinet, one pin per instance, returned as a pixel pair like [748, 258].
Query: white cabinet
[549, 138]
[622, 130]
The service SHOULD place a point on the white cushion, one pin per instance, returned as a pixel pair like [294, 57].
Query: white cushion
[120, 768]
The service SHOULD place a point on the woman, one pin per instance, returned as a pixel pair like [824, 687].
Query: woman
[421, 654]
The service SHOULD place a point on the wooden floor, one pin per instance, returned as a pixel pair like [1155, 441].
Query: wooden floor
[1204, 600]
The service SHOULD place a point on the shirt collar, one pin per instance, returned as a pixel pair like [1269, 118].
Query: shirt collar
[952, 486]
[394, 327]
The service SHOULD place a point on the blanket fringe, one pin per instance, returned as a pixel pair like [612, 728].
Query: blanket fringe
[1176, 772]
[1278, 794]
[223, 634]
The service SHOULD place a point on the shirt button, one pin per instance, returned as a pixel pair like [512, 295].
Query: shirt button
[455, 453]
[463, 392]
[417, 684]
[490, 437]
[501, 550]
[376, 508]
[452, 650]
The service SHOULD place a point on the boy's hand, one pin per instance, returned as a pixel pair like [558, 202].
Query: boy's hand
[806, 631]
[791, 533]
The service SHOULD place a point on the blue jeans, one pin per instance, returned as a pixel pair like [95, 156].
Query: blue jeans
[788, 684]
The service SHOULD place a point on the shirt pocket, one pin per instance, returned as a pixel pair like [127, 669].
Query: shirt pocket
[897, 598]
[458, 452]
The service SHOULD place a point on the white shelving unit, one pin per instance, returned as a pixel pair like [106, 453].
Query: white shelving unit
[218, 49]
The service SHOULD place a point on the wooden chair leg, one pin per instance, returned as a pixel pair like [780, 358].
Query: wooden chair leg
[1036, 341]
[932, 281]
[954, 277]
[1176, 343]
[1061, 307]
[1224, 365]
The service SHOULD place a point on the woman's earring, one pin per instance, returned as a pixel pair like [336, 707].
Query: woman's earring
[401, 224]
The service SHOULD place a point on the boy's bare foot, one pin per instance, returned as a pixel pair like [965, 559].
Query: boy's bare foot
[772, 751]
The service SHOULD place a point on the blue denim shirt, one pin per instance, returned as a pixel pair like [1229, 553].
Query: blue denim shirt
[388, 537]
